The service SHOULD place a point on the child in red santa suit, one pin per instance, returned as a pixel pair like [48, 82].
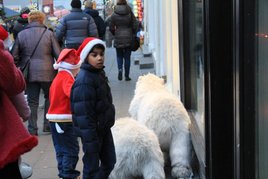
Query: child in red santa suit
[60, 116]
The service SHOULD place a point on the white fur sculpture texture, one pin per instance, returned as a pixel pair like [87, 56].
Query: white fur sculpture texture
[158, 109]
[138, 152]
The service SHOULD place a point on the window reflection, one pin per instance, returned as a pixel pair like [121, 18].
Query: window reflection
[262, 89]
[195, 61]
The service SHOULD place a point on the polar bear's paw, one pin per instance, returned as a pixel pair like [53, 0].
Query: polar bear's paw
[181, 171]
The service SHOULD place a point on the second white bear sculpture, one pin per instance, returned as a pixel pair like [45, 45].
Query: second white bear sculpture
[138, 152]
[158, 109]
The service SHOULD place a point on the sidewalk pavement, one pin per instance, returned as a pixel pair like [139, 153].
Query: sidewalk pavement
[42, 158]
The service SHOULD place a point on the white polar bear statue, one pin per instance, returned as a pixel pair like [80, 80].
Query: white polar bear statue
[138, 152]
[154, 106]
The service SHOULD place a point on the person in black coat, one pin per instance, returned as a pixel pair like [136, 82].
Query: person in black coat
[98, 20]
[21, 22]
[123, 26]
[93, 111]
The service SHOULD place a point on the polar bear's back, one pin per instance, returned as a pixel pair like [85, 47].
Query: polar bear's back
[136, 134]
[163, 113]
[135, 146]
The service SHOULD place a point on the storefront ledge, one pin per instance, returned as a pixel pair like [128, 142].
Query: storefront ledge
[145, 50]
[146, 63]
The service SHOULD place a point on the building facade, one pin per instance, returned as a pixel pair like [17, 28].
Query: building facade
[213, 55]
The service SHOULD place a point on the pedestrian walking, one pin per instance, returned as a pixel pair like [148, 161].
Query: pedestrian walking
[36, 46]
[59, 114]
[123, 25]
[19, 101]
[93, 111]
[108, 35]
[95, 15]
[75, 27]
[15, 139]
[21, 22]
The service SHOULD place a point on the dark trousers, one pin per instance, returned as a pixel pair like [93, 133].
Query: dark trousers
[10, 171]
[33, 92]
[67, 149]
[123, 57]
[99, 165]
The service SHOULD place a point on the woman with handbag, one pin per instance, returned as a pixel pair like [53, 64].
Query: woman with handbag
[34, 52]
[123, 25]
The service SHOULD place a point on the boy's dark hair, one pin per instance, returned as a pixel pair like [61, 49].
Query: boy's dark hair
[98, 46]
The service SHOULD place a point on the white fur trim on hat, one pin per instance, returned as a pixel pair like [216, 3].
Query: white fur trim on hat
[88, 47]
[66, 65]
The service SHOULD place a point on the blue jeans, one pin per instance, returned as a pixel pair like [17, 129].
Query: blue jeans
[123, 57]
[33, 92]
[67, 149]
[98, 165]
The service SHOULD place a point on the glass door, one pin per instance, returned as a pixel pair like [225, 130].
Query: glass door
[192, 72]
[262, 89]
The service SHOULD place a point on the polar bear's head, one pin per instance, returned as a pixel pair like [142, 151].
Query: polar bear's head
[149, 82]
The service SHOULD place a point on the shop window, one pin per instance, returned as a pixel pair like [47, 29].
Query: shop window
[191, 14]
[262, 89]
[193, 59]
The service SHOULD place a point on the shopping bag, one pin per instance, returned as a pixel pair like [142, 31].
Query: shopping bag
[135, 43]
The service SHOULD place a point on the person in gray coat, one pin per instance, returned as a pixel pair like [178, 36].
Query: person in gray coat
[123, 25]
[75, 27]
[41, 71]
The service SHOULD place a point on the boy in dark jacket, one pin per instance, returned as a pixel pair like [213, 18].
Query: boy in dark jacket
[93, 111]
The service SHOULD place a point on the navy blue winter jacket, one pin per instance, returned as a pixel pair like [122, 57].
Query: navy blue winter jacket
[74, 28]
[92, 105]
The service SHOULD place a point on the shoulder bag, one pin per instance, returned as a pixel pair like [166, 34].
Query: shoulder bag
[25, 69]
[135, 42]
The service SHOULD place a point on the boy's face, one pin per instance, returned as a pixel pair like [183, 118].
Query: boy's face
[96, 58]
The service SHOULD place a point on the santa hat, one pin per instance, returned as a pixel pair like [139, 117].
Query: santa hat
[3, 33]
[68, 59]
[87, 46]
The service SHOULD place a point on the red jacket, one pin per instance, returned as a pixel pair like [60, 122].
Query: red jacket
[14, 137]
[59, 96]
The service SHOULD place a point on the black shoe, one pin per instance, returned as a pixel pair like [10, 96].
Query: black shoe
[127, 79]
[34, 133]
[120, 75]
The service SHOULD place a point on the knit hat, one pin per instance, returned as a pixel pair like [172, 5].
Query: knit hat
[3, 33]
[76, 4]
[25, 10]
[68, 60]
[87, 46]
